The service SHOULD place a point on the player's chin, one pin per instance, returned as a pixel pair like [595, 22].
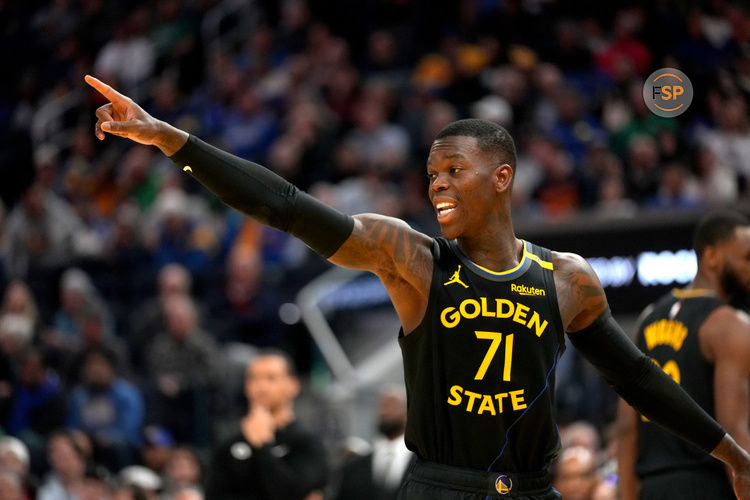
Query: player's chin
[450, 231]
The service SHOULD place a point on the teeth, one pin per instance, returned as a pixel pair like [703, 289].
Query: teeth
[444, 205]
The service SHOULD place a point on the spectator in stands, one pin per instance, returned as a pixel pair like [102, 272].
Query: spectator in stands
[245, 311]
[131, 492]
[642, 168]
[180, 231]
[182, 365]
[249, 128]
[183, 470]
[188, 494]
[730, 142]
[575, 129]
[39, 235]
[575, 474]
[14, 457]
[716, 181]
[11, 487]
[108, 408]
[142, 480]
[581, 433]
[383, 145]
[636, 120]
[678, 190]
[18, 299]
[15, 335]
[148, 320]
[68, 468]
[157, 448]
[78, 296]
[95, 333]
[379, 475]
[129, 43]
[270, 455]
[38, 405]
[606, 490]
[97, 483]
[559, 191]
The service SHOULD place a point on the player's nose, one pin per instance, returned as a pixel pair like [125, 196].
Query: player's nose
[440, 183]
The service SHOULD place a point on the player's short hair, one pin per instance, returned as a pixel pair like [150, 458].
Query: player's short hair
[492, 138]
[715, 227]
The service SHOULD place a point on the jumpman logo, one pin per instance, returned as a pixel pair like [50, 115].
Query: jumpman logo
[455, 278]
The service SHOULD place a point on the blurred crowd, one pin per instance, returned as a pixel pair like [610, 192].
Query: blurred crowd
[122, 276]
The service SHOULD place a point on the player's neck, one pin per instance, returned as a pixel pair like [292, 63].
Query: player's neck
[707, 281]
[497, 251]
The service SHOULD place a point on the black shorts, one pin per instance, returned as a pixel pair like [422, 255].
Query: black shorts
[430, 481]
[687, 484]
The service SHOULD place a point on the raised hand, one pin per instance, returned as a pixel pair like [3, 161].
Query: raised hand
[121, 116]
[258, 426]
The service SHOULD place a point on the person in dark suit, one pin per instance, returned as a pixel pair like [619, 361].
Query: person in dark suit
[379, 474]
[270, 456]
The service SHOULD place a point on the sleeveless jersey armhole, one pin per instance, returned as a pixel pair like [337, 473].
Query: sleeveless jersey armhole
[549, 280]
[414, 335]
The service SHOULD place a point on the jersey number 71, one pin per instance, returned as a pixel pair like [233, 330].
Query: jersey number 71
[496, 338]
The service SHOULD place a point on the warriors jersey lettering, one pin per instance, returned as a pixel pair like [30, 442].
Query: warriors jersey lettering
[669, 336]
[479, 369]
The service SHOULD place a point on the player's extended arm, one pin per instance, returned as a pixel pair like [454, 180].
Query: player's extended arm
[596, 335]
[725, 341]
[627, 451]
[388, 247]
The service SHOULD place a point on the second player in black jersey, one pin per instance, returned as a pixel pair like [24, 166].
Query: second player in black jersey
[704, 345]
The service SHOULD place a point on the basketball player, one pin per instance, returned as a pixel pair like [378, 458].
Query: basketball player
[704, 345]
[479, 343]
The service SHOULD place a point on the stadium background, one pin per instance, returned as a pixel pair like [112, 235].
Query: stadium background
[342, 98]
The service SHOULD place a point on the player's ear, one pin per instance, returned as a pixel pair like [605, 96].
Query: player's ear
[503, 177]
[711, 257]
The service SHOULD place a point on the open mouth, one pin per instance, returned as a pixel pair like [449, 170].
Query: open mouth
[444, 208]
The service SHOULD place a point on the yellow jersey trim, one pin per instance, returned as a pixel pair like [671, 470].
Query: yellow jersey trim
[545, 264]
[526, 255]
[682, 293]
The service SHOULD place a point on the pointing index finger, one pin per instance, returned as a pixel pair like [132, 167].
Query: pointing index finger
[104, 89]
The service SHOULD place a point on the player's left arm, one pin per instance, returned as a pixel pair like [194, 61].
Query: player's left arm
[725, 341]
[597, 336]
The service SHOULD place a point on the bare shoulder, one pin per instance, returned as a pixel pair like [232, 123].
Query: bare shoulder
[725, 334]
[399, 255]
[388, 247]
[580, 295]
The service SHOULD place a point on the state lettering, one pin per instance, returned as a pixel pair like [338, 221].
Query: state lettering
[489, 404]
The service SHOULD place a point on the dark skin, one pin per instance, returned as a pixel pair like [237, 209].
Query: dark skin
[471, 192]
[724, 340]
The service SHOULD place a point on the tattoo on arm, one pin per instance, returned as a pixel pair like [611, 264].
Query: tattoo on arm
[580, 294]
[388, 247]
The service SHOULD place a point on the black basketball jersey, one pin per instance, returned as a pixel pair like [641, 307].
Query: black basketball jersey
[669, 336]
[479, 369]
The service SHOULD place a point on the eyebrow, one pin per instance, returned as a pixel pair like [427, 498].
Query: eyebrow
[451, 156]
